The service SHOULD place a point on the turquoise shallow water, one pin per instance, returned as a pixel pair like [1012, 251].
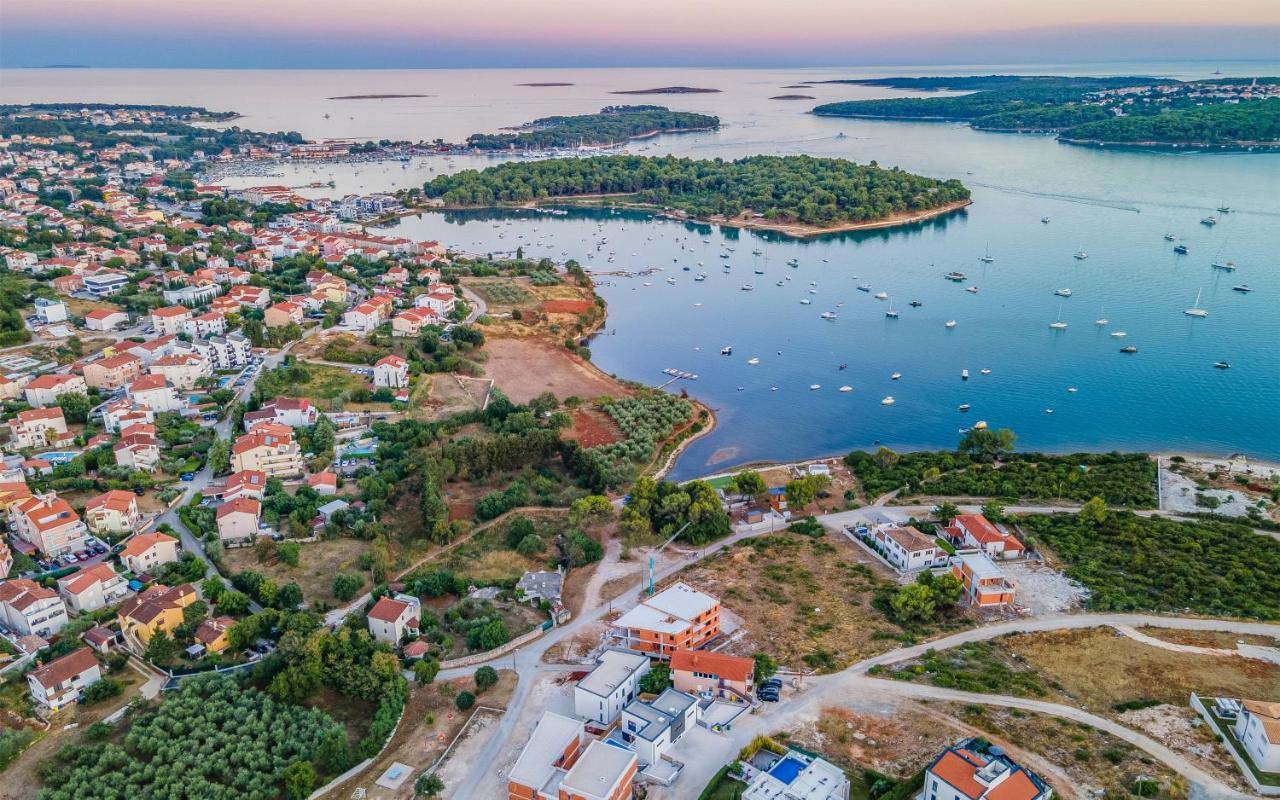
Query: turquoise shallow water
[1114, 205]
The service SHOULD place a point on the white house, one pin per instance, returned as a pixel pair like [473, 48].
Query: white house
[974, 770]
[104, 319]
[1258, 729]
[608, 688]
[652, 727]
[975, 530]
[50, 311]
[907, 549]
[92, 588]
[170, 320]
[440, 300]
[28, 608]
[800, 775]
[59, 683]
[44, 390]
[393, 618]
[154, 392]
[238, 519]
[391, 372]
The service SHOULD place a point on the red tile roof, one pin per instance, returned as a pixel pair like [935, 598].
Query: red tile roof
[730, 668]
[388, 609]
[60, 670]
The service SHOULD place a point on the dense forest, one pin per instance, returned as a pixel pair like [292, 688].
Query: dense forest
[1225, 123]
[1183, 115]
[816, 191]
[613, 125]
[1133, 563]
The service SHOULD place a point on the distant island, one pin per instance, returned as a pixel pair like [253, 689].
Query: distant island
[374, 96]
[799, 86]
[547, 83]
[792, 97]
[62, 66]
[613, 125]
[668, 90]
[794, 195]
[1132, 111]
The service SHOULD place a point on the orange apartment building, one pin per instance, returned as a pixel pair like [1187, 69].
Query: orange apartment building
[677, 618]
[985, 584]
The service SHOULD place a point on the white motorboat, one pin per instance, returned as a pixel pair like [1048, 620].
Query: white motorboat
[813, 387]
[888, 401]
[1196, 310]
[846, 388]
[1062, 292]
[753, 361]
[895, 376]
[951, 323]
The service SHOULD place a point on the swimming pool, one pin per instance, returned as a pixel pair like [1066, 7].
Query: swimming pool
[787, 769]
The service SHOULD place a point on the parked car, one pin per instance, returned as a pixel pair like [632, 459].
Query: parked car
[768, 697]
[774, 683]
[188, 476]
[139, 491]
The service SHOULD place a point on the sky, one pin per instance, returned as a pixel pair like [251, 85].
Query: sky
[574, 33]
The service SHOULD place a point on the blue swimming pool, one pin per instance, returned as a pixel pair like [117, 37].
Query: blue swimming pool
[787, 769]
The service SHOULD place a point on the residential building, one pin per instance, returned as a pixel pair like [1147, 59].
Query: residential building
[147, 551]
[975, 530]
[290, 411]
[92, 588]
[232, 351]
[210, 323]
[37, 428]
[50, 311]
[324, 483]
[712, 675]
[58, 684]
[391, 372]
[29, 609]
[651, 727]
[238, 519]
[105, 319]
[551, 751]
[170, 320]
[6, 560]
[183, 370]
[411, 321]
[12, 492]
[114, 511]
[271, 453]
[370, 314]
[283, 314]
[138, 450]
[114, 372]
[610, 686]
[797, 775]
[975, 770]
[255, 296]
[212, 634]
[155, 348]
[985, 584]
[122, 413]
[393, 618]
[48, 522]
[193, 294]
[102, 640]
[248, 483]
[441, 300]
[105, 283]
[1258, 729]
[156, 609]
[907, 549]
[677, 618]
[155, 393]
[10, 389]
[603, 772]
[44, 390]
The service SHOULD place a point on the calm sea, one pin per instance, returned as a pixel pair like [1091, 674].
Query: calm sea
[1115, 206]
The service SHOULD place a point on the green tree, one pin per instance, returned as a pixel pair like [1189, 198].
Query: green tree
[766, 667]
[531, 546]
[289, 596]
[299, 780]
[75, 407]
[749, 483]
[594, 509]
[485, 678]
[345, 586]
[1094, 512]
[289, 552]
[220, 456]
[464, 700]
[425, 670]
[657, 679]
[985, 444]
[946, 511]
[428, 784]
[232, 602]
[913, 603]
[161, 649]
[993, 510]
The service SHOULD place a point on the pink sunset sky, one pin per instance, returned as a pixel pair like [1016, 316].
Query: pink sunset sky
[407, 33]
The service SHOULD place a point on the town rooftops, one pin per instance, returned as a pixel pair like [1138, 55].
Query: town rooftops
[245, 505]
[393, 361]
[171, 311]
[34, 414]
[598, 770]
[614, 667]
[388, 609]
[144, 542]
[117, 361]
[102, 314]
[910, 538]
[659, 713]
[147, 383]
[115, 500]
[61, 670]
[50, 381]
[538, 761]
[22, 592]
[730, 668]
[211, 629]
[48, 512]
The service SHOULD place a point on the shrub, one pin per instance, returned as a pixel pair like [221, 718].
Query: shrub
[485, 678]
[464, 700]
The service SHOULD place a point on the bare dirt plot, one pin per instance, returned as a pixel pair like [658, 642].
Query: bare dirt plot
[807, 602]
[1097, 668]
[318, 562]
[566, 306]
[1221, 640]
[591, 428]
[525, 368]
[449, 395]
[1043, 590]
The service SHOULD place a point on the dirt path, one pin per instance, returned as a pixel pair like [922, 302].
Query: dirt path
[1136, 635]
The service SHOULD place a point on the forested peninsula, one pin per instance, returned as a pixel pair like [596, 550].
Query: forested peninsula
[613, 125]
[798, 195]
[1135, 111]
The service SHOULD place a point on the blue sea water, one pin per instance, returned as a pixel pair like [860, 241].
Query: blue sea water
[1114, 205]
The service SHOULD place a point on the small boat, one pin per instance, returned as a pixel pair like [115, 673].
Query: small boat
[985, 371]
[699, 277]
[1224, 209]
[828, 315]
[753, 361]
[746, 287]
[964, 406]
[895, 376]
[980, 425]
[1062, 292]
[1169, 237]
[726, 350]
[1181, 249]
[1196, 310]
[1048, 411]
[866, 287]
[846, 388]
[842, 367]
[1101, 321]
[951, 323]
[888, 401]
[795, 262]
[1222, 365]
[1072, 390]
[955, 276]
[986, 258]
[813, 387]
[1226, 266]
[1128, 349]
[1243, 287]
[915, 304]
[755, 252]
[724, 255]
[1118, 334]
[1045, 220]
[891, 313]
[805, 301]
[780, 283]
[671, 281]
[1080, 256]
[759, 272]
[882, 295]
[972, 290]
[1058, 325]
[964, 374]
[1209, 221]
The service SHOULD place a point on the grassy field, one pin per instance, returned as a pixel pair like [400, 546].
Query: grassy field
[1096, 669]
[807, 602]
[1221, 640]
[502, 294]
[317, 564]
